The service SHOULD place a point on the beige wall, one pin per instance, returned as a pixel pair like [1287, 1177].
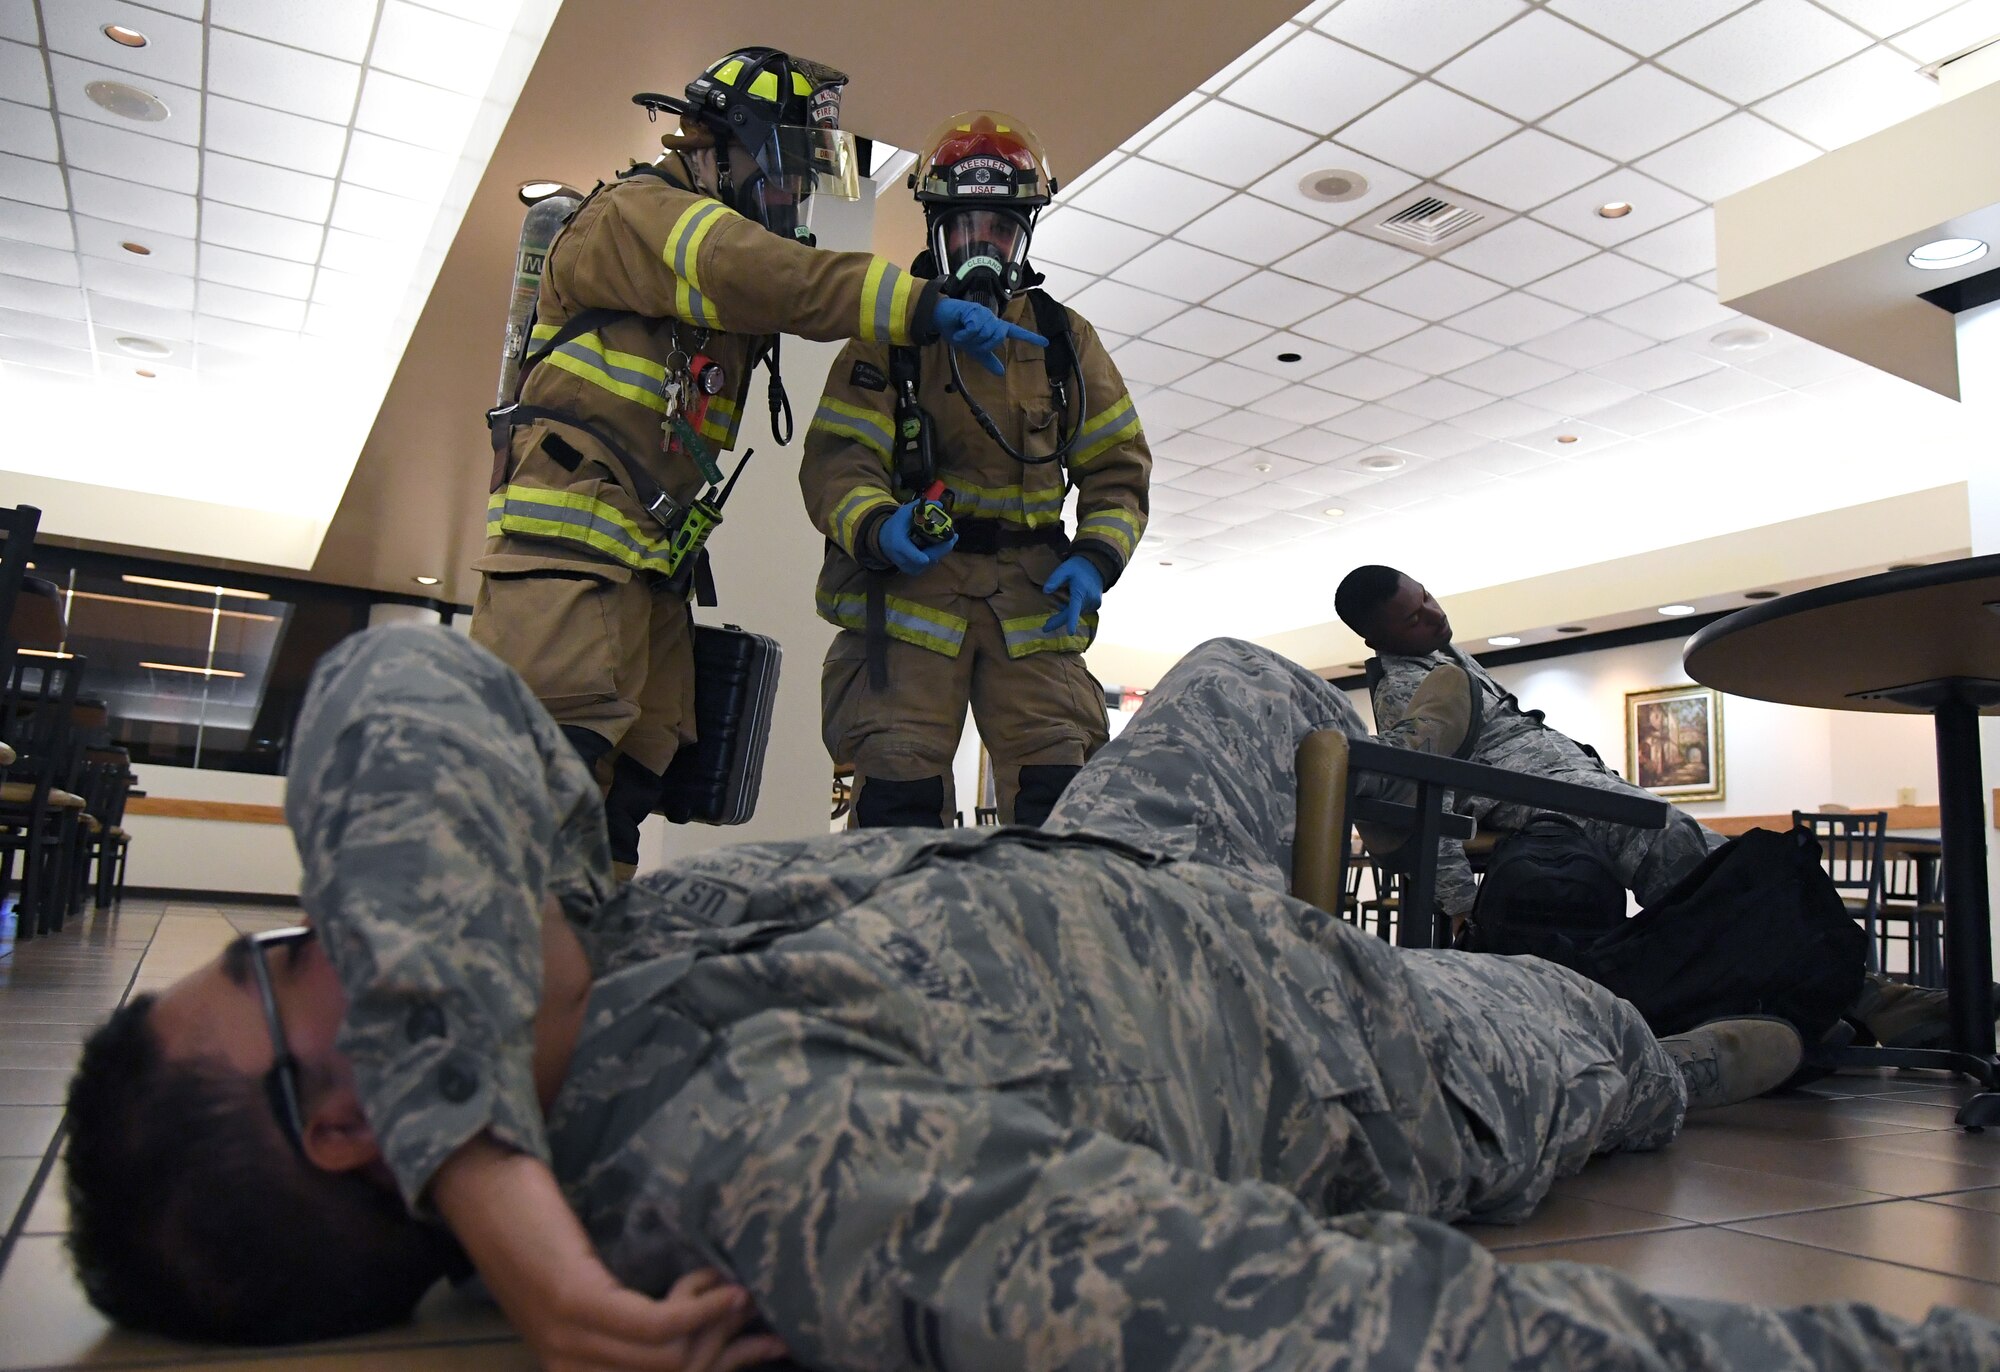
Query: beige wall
[206, 854]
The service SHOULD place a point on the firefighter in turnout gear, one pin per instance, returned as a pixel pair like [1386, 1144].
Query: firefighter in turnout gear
[995, 610]
[658, 299]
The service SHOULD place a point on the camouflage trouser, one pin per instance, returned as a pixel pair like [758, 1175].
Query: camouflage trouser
[1205, 773]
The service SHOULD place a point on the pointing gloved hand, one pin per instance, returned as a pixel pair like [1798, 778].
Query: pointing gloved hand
[1079, 578]
[977, 331]
[895, 541]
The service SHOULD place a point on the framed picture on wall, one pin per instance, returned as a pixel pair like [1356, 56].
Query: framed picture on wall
[1673, 741]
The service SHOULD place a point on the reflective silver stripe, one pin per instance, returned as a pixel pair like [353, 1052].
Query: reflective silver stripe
[586, 524]
[885, 292]
[1119, 410]
[688, 233]
[598, 361]
[854, 422]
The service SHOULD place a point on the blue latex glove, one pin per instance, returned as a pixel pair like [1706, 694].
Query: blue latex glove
[894, 539]
[1079, 578]
[976, 331]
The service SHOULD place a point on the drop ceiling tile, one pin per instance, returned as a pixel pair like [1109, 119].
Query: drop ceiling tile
[264, 73]
[1246, 227]
[251, 307]
[1064, 283]
[267, 135]
[363, 256]
[1309, 356]
[1124, 308]
[1383, 183]
[1884, 17]
[1438, 399]
[1436, 350]
[70, 361]
[1364, 378]
[338, 28]
[259, 186]
[1358, 325]
[17, 21]
[245, 336]
[1526, 170]
[1722, 389]
[27, 131]
[1600, 282]
[1162, 121]
[1226, 144]
[385, 164]
[1589, 440]
[1642, 415]
[1645, 28]
[254, 231]
[1348, 262]
[183, 121]
[435, 48]
[1587, 343]
[1154, 365]
[1303, 405]
[35, 224]
[186, 9]
[106, 238]
[255, 272]
[1642, 110]
[1685, 247]
[1316, 445]
[1653, 205]
[145, 206]
[1374, 424]
[1088, 242]
[1579, 394]
[1426, 129]
[131, 156]
[64, 333]
[1149, 195]
[130, 281]
[1274, 299]
[1507, 459]
[1168, 412]
[1437, 442]
[1763, 48]
[1514, 318]
[41, 297]
[376, 214]
[1163, 499]
[1724, 158]
[1505, 419]
[1196, 449]
[1207, 333]
[1863, 95]
[1184, 272]
[1235, 511]
[1800, 363]
[173, 46]
[1657, 368]
[1208, 481]
[1533, 65]
[1269, 494]
[1434, 290]
[22, 74]
[1068, 185]
[1315, 83]
[57, 266]
[1420, 34]
[1247, 59]
[397, 107]
[1952, 31]
[1248, 426]
[1672, 313]
[1508, 373]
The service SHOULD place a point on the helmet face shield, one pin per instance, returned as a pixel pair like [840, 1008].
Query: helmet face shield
[982, 252]
[788, 169]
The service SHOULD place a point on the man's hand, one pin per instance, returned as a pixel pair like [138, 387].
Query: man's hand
[1078, 579]
[978, 332]
[507, 1210]
[896, 542]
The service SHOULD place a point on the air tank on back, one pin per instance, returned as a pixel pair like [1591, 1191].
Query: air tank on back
[539, 228]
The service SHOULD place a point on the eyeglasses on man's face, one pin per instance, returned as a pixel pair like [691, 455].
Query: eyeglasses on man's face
[281, 1083]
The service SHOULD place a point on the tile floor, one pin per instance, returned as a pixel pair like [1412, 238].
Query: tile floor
[1860, 1189]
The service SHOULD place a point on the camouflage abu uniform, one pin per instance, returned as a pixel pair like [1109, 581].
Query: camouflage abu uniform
[1093, 1097]
[1650, 862]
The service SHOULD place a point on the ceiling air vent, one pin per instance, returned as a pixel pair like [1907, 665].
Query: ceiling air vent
[1431, 219]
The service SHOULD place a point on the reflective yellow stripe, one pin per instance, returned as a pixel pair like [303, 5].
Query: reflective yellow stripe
[903, 619]
[1116, 527]
[682, 254]
[765, 85]
[1104, 431]
[899, 311]
[598, 376]
[574, 517]
[849, 514]
[871, 284]
[870, 428]
[721, 422]
[1012, 504]
[1025, 635]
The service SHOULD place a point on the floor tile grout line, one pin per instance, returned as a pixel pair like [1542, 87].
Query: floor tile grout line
[207, 1356]
[20, 1221]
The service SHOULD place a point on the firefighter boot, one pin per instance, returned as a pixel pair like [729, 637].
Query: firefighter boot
[634, 792]
[900, 804]
[1041, 786]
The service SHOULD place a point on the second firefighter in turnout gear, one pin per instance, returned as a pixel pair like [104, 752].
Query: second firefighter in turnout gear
[941, 490]
[658, 299]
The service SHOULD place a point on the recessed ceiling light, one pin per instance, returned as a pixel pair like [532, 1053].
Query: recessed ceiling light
[140, 248]
[144, 347]
[425, 580]
[1614, 209]
[1333, 185]
[532, 191]
[124, 37]
[1382, 462]
[1288, 357]
[1166, 562]
[1677, 610]
[127, 102]
[1572, 629]
[1740, 340]
[1504, 641]
[141, 371]
[1904, 566]
[1565, 438]
[1760, 595]
[1947, 253]
[1333, 512]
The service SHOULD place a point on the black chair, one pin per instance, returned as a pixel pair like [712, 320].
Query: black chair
[18, 523]
[39, 811]
[1912, 916]
[1850, 844]
[107, 778]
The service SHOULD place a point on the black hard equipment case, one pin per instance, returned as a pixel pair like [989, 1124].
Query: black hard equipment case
[716, 780]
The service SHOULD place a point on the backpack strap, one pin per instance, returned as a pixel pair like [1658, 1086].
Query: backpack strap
[1059, 358]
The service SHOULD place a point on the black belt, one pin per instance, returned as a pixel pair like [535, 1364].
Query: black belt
[986, 536]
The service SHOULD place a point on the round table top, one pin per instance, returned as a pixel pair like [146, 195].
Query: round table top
[1829, 646]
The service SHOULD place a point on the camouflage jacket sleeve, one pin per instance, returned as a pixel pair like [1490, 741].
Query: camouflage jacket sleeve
[1111, 465]
[651, 247]
[435, 805]
[846, 473]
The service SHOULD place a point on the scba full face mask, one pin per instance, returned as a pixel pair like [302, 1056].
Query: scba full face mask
[982, 253]
[981, 183]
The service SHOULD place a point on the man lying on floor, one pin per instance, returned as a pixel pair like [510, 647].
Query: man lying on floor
[1099, 1095]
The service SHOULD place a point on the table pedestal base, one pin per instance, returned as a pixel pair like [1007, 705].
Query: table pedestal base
[1982, 1110]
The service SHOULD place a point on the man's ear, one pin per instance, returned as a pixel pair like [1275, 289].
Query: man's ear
[338, 1138]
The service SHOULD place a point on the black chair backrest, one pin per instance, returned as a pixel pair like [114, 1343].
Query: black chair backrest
[107, 803]
[18, 523]
[36, 702]
[1850, 844]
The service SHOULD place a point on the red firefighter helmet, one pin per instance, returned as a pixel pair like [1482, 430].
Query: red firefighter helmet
[982, 179]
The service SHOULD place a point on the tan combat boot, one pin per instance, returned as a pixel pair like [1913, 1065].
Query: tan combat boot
[1729, 1060]
[1440, 715]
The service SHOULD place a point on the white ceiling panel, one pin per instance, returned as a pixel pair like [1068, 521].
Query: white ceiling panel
[146, 206]
[1955, 29]
[186, 9]
[364, 256]
[1799, 363]
[1520, 251]
[1063, 282]
[1247, 59]
[1526, 170]
[138, 317]
[1763, 48]
[1183, 271]
[1426, 129]
[384, 164]
[1420, 34]
[338, 28]
[1436, 350]
[1884, 17]
[1533, 65]
[1248, 426]
[1114, 305]
[1348, 262]
[1088, 242]
[1508, 373]
[375, 214]
[477, 11]
[36, 182]
[71, 75]
[435, 48]
[267, 135]
[1308, 357]
[1506, 459]
[22, 74]
[251, 307]
[41, 356]
[57, 266]
[1249, 228]
[1318, 445]
[173, 46]
[1657, 368]
[1284, 186]
[35, 224]
[1726, 157]
[1149, 195]
[246, 335]
[1438, 441]
[1359, 326]
[1364, 378]
[1208, 333]
[255, 272]
[1653, 205]
[1141, 360]
[41, 297]
[131, 156]
[64, 333]
[1672, 313]
[263, 73]
[18, 22]
[1437, 399]
[130, 281]
[255, 231]
[1722, 389]
[1514, 318]
[1227, 383]
[1642, 110]
[1685, 247]
[1316, 84]
[397, 107]
[1587, 343]
[1161, 122]
[1267, 297]
[1578, 394]
[1208, 481]
[1646, 27]
[27, 131]
[1228, 144]
[1600, 283]
[1374, 423]
[1863, 95]
[1198, 450]
[1505, 419]
[1303, 405]
[1434, 290]
[1642, 415]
